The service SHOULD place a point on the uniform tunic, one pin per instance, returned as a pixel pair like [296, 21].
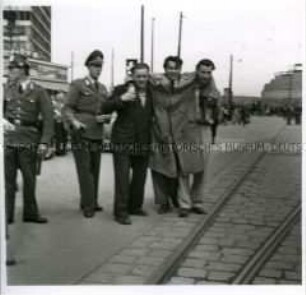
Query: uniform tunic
[30, 110]
[84, 102]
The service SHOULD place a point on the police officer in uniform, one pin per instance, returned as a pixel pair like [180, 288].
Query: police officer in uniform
[29, 117]
[83, 111]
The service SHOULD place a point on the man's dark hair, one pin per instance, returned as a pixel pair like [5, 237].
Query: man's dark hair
[139, 66]
[205, 62]
[178, 61]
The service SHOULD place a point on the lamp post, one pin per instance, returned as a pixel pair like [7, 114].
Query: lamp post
[179, 45]
[152, 43]
[142, 34]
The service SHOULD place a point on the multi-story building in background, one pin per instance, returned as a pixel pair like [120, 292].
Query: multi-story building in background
[27, 31]
[284, 88]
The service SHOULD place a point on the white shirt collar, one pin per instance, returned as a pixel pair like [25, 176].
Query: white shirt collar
[24, 84]
[91, 80]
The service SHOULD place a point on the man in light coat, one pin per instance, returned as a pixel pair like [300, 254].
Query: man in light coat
[177, 137]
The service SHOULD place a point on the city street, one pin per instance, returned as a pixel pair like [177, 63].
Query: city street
[73, 250]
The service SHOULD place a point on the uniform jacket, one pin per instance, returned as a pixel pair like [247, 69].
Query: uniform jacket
[131, 129]
[31, 111]
[176, 134]
[84, 103]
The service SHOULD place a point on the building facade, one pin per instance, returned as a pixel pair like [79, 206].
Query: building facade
[285, 87]
[27, 31]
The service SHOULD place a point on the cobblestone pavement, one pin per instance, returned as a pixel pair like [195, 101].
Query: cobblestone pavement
[285, 266]
[137, 262]
[99, 251]
[266, 197]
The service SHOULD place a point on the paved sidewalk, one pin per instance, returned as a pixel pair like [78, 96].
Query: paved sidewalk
[285, 266]
[73, 250]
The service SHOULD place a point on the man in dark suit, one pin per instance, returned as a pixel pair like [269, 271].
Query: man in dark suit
[130, 142]
[82, 111]
[28, 117]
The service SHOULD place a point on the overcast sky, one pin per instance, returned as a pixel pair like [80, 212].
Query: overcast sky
[265, 36]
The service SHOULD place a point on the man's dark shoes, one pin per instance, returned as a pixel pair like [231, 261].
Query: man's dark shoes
[10, 262]
[139, 212]
[183, 212]
[123, 220]
[198, 210]
[98, 208]
[88, 213]
[163, 209]
[38, 219]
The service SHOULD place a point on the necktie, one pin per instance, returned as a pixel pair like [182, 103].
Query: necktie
[20, 89]
[96, 85]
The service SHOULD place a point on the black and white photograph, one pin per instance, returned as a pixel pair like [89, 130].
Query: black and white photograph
[152, 147]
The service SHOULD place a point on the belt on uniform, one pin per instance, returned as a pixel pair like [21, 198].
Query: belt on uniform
[87, 113]
[19, 122]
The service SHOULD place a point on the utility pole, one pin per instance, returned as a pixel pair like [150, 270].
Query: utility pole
[142, 34]
[179, 46]
[230, 86]
[152, 44]
[112, 69]
[72, 65]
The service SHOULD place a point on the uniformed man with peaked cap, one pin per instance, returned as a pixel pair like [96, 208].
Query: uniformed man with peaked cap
[28, 118]
[82, 110]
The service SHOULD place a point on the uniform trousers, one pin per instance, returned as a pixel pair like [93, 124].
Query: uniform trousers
[130, 177]
[25, 159]
[87, 156]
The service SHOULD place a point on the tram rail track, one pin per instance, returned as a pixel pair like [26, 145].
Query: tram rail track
[166, 271]
[249, 271]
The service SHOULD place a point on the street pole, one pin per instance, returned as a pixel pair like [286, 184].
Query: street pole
[72, 65]
[152, 44]
[142, 35]
[112, 69]
[230, 86]
[179, 46]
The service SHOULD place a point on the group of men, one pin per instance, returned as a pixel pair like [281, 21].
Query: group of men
[163, 122]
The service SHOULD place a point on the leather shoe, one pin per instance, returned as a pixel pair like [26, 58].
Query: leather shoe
[163, 209]
[183, 213]
[98, 208]
[88, 213]
[10, 262]
[199, 210]
[123, 220]
[38, 219]
[139, 212]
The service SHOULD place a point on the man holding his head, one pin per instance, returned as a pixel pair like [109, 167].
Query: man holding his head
[82, 110]
[130, 142]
